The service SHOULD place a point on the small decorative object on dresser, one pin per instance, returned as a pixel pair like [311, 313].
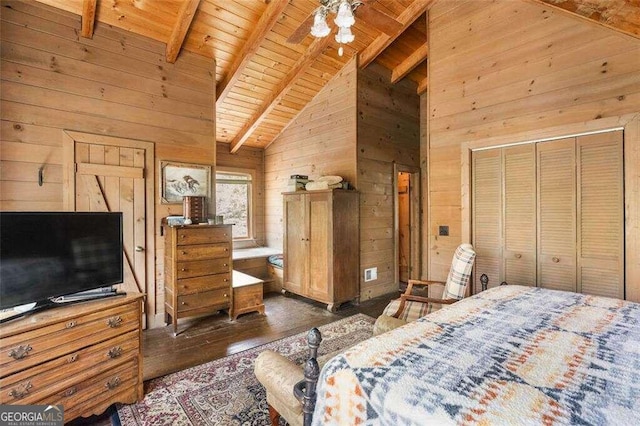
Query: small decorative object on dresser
[83, 356]
[197, 266]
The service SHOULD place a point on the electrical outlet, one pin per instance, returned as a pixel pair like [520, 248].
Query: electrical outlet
[371, 274]
[443, 230]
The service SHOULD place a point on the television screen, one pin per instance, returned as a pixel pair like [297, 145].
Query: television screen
[50, 254]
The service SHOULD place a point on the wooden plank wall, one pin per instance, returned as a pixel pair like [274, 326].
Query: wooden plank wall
[320, 141]
[504, 68]
[252, 159]
[388, 133]
[116, 84]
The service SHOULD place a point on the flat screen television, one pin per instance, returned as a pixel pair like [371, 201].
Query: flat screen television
[46, 255]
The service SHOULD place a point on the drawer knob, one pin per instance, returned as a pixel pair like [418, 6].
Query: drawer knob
[20, 352]
[226, 249]
[72, 358]
[70, 324]
[183, 303]
[224, 264]
[21, 391]
[115, 352]
[183, 252]
[139, 249]
[115, 322]
[518, 256]
[182, 236]
[183, 269]
[225, 280]
[225, 295]
[113, 383]
[555, 259]
[69, 392]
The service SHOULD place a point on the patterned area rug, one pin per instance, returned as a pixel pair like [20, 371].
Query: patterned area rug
[225, 391]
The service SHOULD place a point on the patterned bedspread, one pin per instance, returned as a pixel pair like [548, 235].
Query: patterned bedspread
[509, 355]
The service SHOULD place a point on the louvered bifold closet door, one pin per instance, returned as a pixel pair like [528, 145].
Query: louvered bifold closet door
[600, 215]
[519, 223]
[487, 216]
[556, 199]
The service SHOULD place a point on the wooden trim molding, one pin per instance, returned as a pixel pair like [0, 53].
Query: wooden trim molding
[630, 123]
[315, 49]
[185, 16]
[406, 66]
[406, 18]
[88, 18]
[264, 25]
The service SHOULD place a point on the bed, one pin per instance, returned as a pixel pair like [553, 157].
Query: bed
[508, 355]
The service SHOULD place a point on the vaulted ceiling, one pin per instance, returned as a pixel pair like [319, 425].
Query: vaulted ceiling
[267, 65]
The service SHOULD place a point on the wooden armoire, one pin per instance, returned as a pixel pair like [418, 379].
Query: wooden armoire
[551, 214]
[321, 245]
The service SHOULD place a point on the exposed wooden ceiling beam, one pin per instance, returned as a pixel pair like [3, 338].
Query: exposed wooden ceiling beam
[267, 21]
[406, 18]
[423, 85]
[613, 14]
[88, 18]
[406, 66]
[315, 49]
[185, 17]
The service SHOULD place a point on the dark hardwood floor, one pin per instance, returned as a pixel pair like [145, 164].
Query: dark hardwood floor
[211, 337]
[207, 338]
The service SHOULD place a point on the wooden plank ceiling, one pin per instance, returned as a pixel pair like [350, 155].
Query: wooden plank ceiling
[264, 80]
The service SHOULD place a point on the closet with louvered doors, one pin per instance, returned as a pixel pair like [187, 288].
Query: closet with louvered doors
[504, 215]
[551, 214]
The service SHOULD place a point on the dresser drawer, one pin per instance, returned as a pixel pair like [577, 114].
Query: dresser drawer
[205, 283]
[203, 251]
[203, 300]
[105, 384]
[34, 384]
[203, 235]
[25, 350]
[198, 268]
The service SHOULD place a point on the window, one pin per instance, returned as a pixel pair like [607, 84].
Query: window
[233, 201]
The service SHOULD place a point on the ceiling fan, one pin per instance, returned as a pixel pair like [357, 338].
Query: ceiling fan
[363, 10]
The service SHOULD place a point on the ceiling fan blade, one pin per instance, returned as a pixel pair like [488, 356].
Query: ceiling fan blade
[377, 19]
[302, 31]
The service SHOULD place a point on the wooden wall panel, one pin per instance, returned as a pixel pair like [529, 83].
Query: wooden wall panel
[116, 84]
[538, 76]
[332, 136]
[252, 159]
[320, 141]
[388, 133]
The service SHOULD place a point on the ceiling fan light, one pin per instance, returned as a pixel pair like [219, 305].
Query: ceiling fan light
[345, 35]
[344, 17]
[320, 27]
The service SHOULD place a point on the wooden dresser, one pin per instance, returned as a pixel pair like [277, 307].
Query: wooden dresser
[197, 264]
[321, 245]
[84, 356]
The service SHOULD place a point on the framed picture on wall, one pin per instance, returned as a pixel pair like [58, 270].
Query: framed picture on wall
[178, 180]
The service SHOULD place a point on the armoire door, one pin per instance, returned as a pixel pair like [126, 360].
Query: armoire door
[295, 242]
[320, 246]
[556, 163]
